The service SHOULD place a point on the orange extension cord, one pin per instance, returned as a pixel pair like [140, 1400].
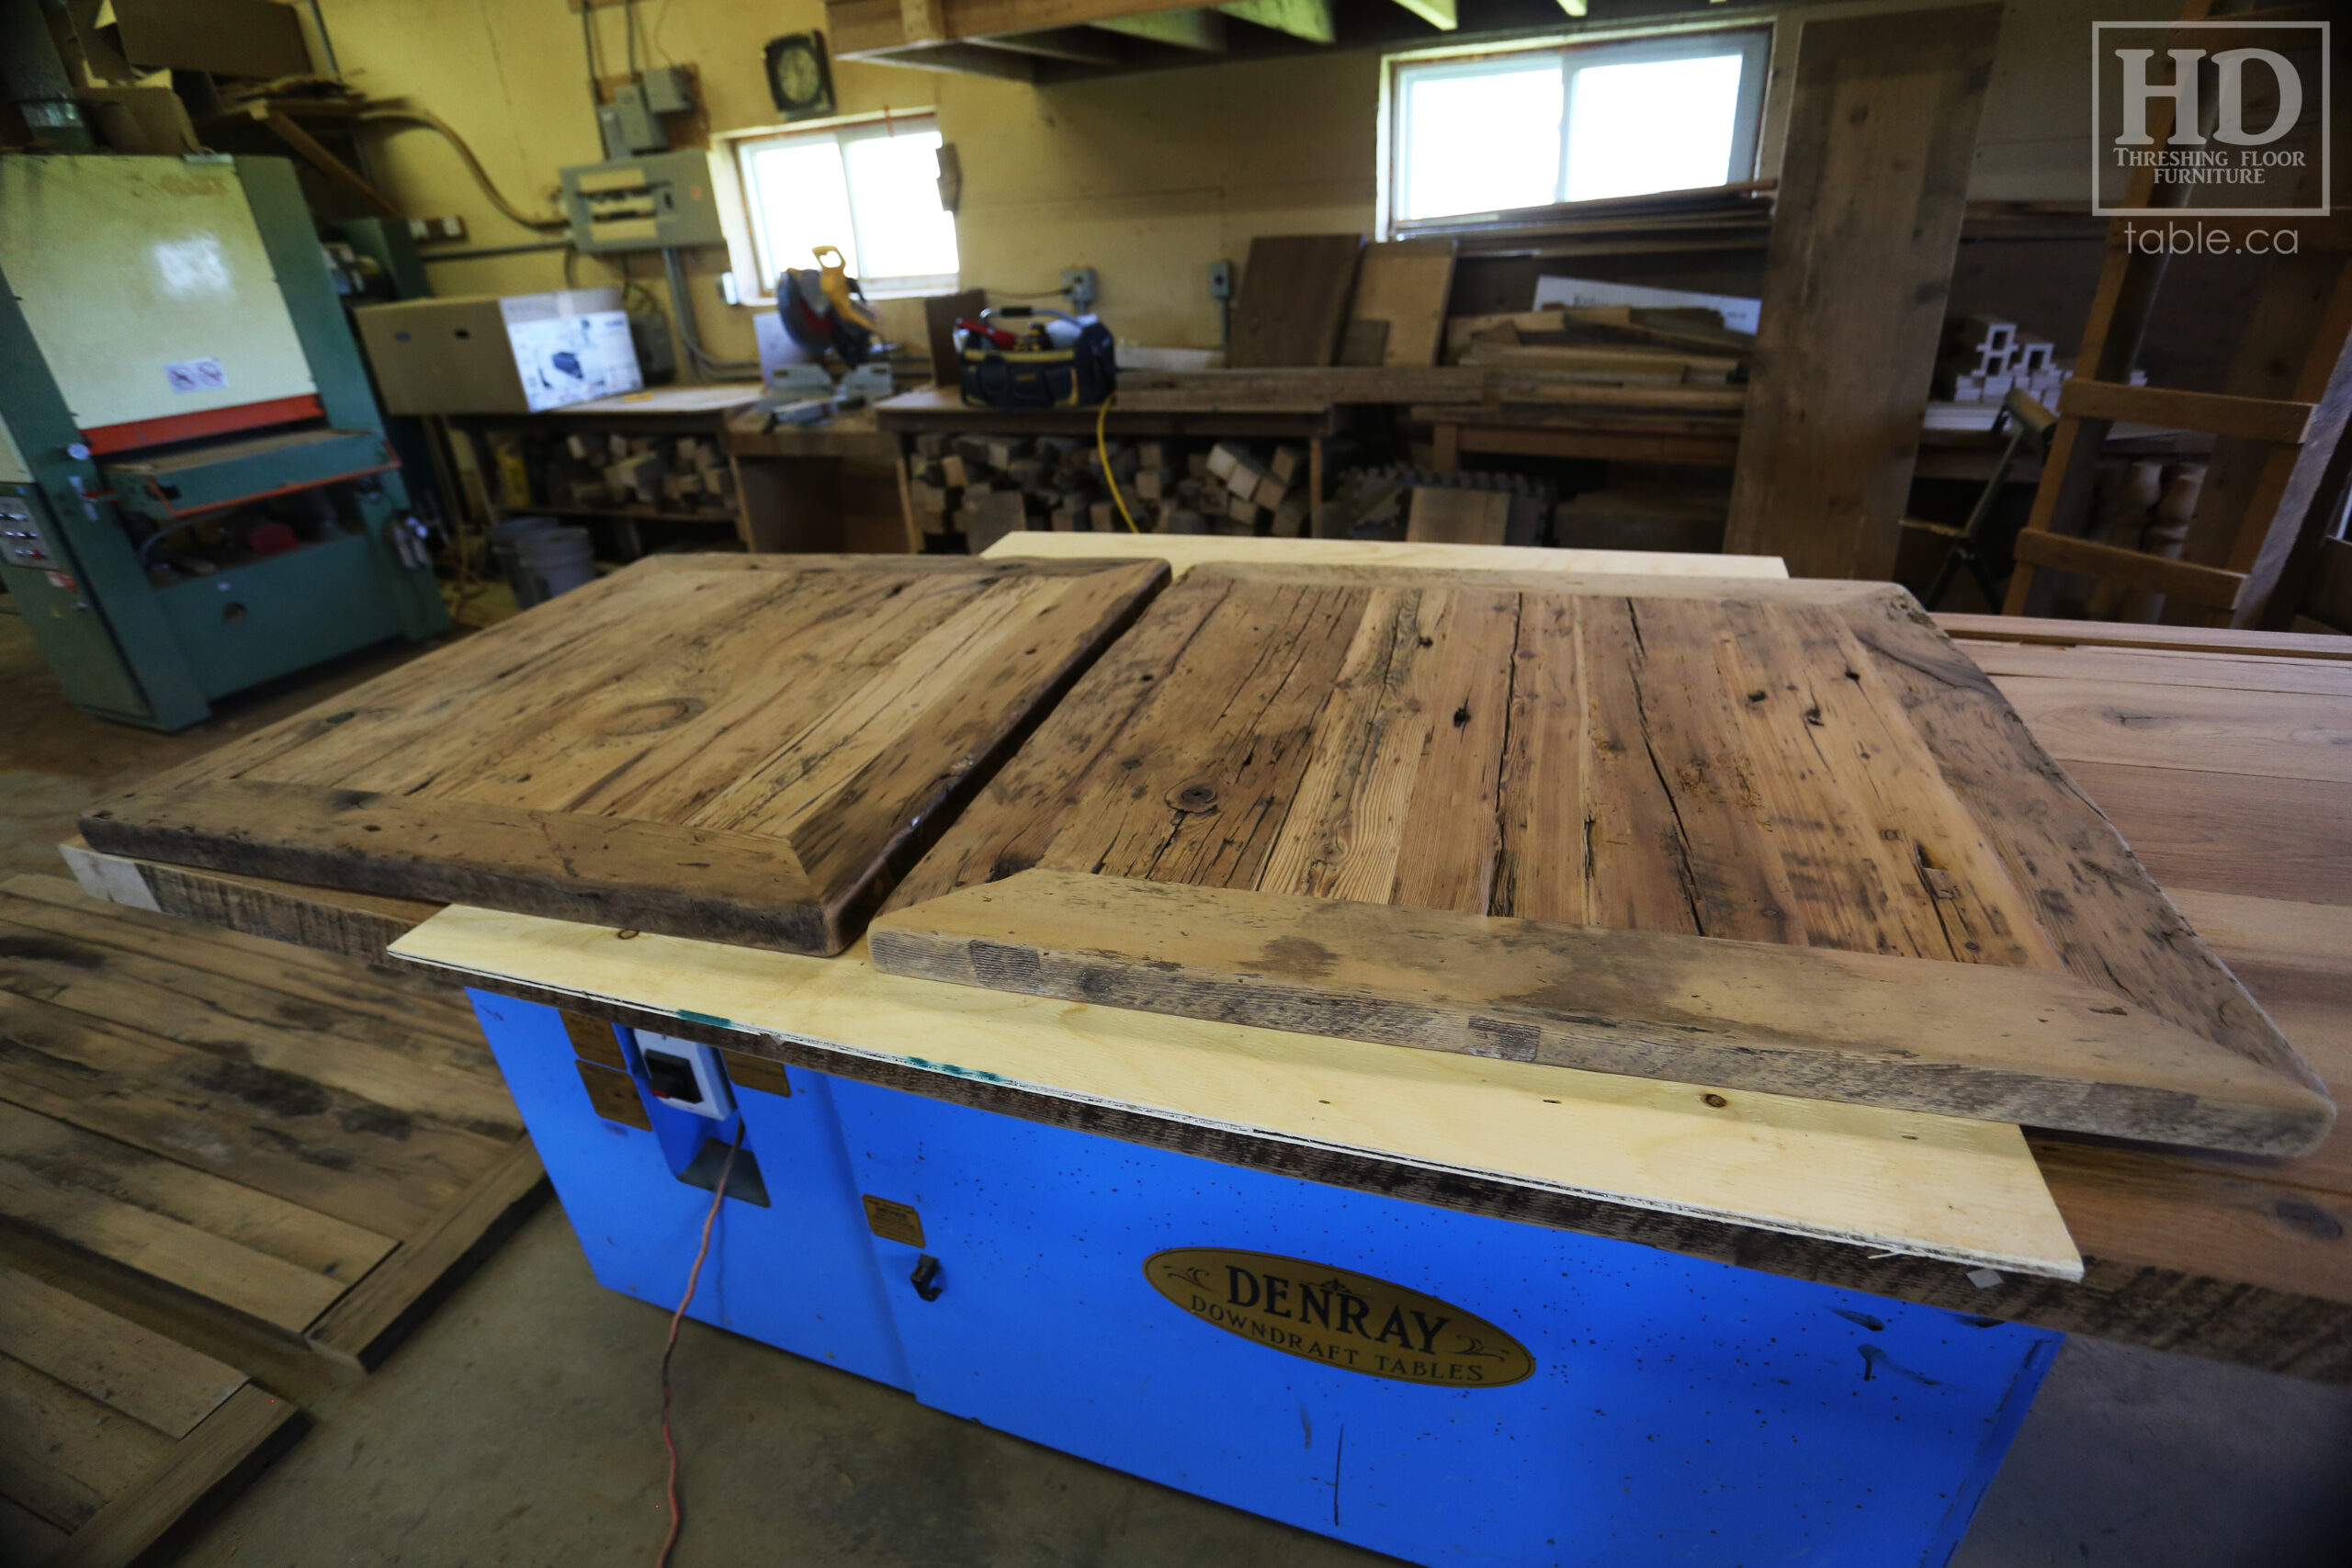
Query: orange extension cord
[718, 1196]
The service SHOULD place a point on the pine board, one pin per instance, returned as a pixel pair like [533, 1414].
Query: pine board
[279, 1137]
[1404, 285]
[1293, 301]
[109, 1433]
[1696, 767]
[1927, 1187]
[747, 748]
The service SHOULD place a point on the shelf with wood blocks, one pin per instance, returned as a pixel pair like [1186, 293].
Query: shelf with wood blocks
[2238, 1258]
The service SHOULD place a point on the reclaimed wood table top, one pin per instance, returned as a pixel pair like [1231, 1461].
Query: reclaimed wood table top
[747, 748]
[1776, 836]
[2237, 1258]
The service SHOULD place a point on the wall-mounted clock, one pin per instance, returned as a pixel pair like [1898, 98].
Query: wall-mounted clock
[798, 77]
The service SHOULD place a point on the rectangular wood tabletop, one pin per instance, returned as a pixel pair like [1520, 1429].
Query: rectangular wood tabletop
[743, 748]
[2240, 1259]
[1780, 836]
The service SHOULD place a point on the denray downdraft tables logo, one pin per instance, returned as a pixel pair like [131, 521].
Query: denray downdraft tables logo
[2243, 126]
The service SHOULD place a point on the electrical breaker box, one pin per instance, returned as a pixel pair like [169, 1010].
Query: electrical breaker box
[655, 202]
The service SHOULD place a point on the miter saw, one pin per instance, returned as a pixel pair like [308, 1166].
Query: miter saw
[825, 311]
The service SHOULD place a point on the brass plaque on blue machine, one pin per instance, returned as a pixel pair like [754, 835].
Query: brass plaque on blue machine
[1339, 1318]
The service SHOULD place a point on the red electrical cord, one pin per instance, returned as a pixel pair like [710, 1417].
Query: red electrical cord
[718, 1196]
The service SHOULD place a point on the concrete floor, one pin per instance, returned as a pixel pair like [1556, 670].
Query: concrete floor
[519, 1425]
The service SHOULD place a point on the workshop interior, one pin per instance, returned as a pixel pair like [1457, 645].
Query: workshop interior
[1490, 783]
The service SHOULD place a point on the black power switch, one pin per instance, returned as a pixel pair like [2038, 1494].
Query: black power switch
[672, 1077]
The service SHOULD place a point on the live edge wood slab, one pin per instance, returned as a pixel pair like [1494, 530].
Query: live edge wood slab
[1784, 836]
[748, 749]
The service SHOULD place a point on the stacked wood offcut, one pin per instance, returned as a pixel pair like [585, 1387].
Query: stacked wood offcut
[1722, 218]
[624, 473]
[1678, 361]
[984, 487]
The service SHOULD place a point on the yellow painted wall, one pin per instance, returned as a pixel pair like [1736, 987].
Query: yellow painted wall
[1148, 179]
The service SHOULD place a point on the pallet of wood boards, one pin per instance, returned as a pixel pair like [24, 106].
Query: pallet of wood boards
[981, 488]
[621, 473]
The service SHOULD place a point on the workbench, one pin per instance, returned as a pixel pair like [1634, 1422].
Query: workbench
[976, 1179]
[823, 487]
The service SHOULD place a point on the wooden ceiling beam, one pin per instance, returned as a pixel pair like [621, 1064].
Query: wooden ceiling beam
[1308, 19]
[1198, 28]
[1439, 14]
[1079, 45]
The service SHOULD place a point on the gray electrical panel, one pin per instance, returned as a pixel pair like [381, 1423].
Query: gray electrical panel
[642, 204]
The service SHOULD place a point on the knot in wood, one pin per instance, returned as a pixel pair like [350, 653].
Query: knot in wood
[1194, 797]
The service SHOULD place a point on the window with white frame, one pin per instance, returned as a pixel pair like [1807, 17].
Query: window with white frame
[1479, 135]
[869, 188]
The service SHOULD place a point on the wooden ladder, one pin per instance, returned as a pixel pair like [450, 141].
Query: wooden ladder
[2272, 453]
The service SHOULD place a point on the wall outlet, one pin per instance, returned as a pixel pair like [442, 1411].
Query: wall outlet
[434, 230]
[1081, 287]
[1221, 280]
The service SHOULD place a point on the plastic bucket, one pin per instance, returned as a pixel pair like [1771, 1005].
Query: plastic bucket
[506, 547]
[558, 560]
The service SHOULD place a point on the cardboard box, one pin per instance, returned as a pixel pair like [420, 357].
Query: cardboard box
[485, 354]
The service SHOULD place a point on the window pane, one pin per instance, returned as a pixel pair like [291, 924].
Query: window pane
[799, 201]
[902, 231]
[1480, 142]
[1664, 125]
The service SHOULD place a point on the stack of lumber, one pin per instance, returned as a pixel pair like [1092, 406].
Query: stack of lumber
[1721, 218]
[1683, 362]
[625, 473]
[984, 487]
[1769, 836]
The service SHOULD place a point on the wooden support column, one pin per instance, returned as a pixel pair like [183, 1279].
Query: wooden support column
[1873, 185]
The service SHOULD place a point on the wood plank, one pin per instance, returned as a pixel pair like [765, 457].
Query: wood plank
[1881, 136]
[2217, 413]
[1308, 1105]
[2108, 634]
[1183, 552]
[255, 1254]
[63, 1454]
[277, 1132]
[2153, 667]
[151, 1379]
[381, 996]
[1950, 1039]
[415, 1076]
[332, 921]
[362, 1329]
[2185, 580]
[1293, 298]
[2280, 734]
[1405, 284]
[2268, 838]
[235, 1442]
[560, 764]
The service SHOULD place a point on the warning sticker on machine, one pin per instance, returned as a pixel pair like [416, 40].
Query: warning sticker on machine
[196, 376]
[1343, 1319]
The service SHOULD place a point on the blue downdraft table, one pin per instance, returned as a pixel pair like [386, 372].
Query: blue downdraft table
[1666, 1409]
